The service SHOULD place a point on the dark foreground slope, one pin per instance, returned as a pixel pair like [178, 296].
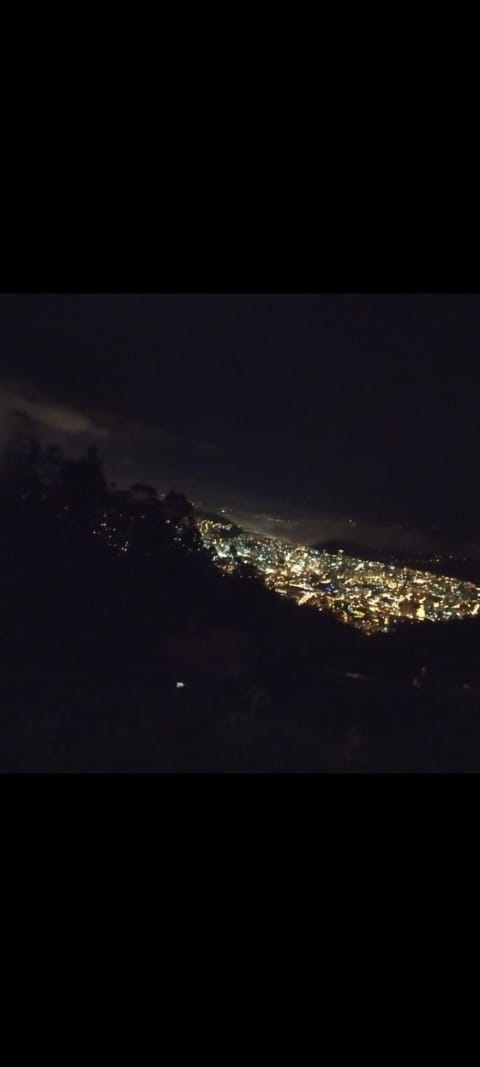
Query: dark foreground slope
[150, 660]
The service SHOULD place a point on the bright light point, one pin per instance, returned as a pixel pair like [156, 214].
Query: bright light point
[180, 685]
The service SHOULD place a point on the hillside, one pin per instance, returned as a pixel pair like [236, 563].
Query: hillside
[125, 649]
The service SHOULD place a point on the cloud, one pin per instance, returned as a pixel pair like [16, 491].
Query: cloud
[124, 442]
[45, 412]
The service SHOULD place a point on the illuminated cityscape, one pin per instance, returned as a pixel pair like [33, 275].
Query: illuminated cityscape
[372, 596]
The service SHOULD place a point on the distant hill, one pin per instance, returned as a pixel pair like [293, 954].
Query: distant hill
[351, 548]
[378, 555]
[464, 569]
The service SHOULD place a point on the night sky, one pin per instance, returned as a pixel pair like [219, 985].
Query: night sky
[337, 406]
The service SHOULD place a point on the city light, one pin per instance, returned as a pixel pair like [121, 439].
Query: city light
[372, 596]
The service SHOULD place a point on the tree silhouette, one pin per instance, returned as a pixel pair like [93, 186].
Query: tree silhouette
[143, 490]
[83, 488]
[51, 468]
[180, 515]
[21, 456]
[149, 535]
